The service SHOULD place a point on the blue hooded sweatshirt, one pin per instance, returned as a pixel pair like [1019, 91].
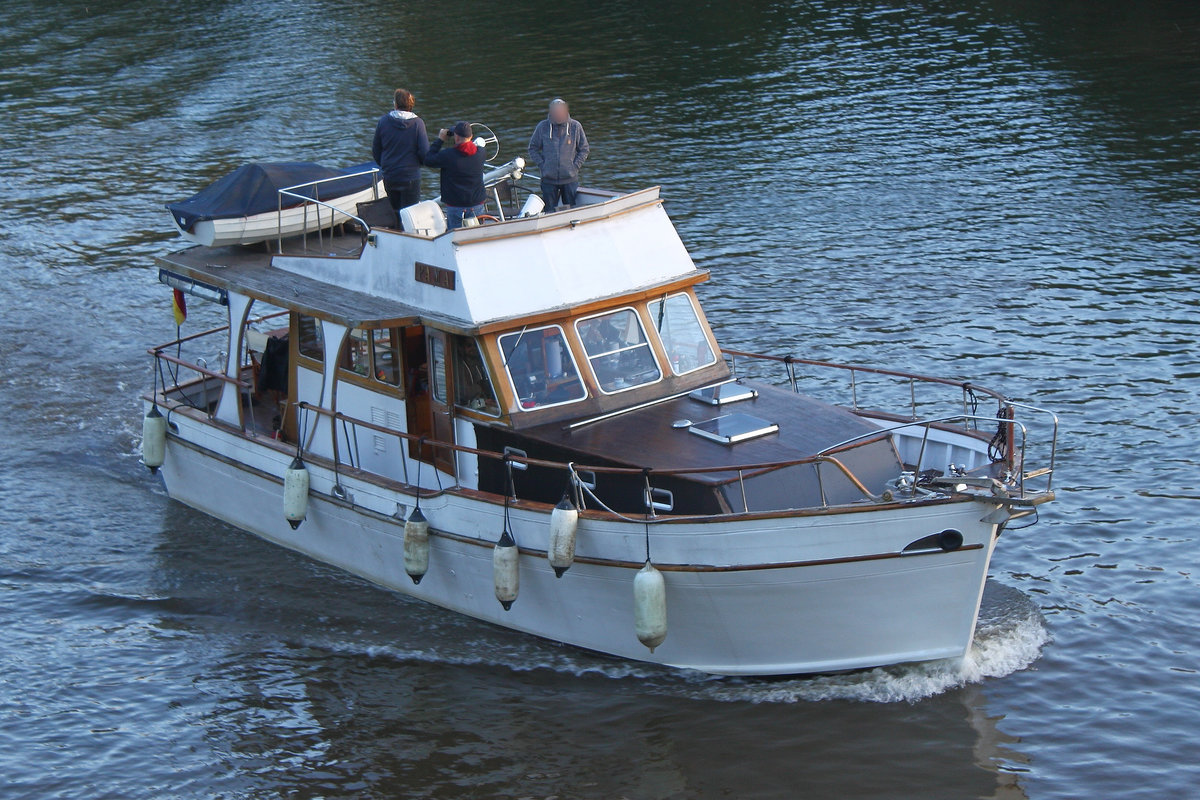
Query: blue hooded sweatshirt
[400, 146]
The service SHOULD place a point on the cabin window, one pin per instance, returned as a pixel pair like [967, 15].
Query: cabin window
[312, 343]
[682, 335]
[437, 368]
[385, 354]
[374, 354]
[472, 386]
[541, 367]
[356, 357]
[618, 351]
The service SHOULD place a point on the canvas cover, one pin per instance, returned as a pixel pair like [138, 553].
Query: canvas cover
[254, 189]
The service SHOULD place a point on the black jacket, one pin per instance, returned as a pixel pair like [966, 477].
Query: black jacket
[462, 173]
[399, 147]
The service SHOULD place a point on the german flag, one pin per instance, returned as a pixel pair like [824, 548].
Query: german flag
[179, 307]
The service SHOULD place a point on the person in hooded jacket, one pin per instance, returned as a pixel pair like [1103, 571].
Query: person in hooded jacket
[559, 147]
[399, 149]
[462, 166]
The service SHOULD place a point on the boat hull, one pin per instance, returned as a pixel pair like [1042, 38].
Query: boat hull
[745, 596]
[269, 225]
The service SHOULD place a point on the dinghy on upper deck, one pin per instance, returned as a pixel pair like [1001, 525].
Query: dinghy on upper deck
[262, 201]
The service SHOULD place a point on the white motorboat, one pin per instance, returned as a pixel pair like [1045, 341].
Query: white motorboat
[259, 202]
[531, 422]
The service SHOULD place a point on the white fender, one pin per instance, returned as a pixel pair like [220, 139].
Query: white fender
[154, 439]
[564, 523]
[295, 493]
[416, 546]
[506, 571]
[650, 606]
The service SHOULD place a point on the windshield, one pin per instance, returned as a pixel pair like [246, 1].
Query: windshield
[541, 367]
[681, 333]
[618, 350]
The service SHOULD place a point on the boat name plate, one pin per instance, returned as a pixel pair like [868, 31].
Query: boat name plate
[435, 276]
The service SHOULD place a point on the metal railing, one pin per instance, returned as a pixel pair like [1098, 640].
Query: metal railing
[969, 419]
[573, 471]
[970, 391]
[738, 473]
[199, 365]
[292, 191]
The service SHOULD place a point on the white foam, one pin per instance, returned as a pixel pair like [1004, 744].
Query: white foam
[990, 656]
[1009, 637]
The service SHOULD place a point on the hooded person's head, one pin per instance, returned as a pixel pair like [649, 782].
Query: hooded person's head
[559, 111]
[462, 132]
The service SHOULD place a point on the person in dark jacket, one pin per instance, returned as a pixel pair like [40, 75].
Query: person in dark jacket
[559, 147]
[462, 173]
[399, 149]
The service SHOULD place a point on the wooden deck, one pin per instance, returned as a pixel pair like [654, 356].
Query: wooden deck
[646, 438]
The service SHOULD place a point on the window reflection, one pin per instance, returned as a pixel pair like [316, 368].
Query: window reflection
[356, 357]
[682, 334]
[373, 353]
[472, 386]
[385, 348]
[437, 368]
[541, 367]
[618, 350]
[311, 340]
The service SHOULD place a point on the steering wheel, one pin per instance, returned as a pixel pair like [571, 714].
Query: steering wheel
[490, 143]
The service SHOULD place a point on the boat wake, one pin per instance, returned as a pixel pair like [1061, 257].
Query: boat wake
[1009, 637]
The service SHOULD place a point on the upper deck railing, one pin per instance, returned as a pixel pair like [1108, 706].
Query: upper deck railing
[295, 193]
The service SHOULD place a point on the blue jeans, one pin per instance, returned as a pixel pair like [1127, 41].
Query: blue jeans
[454, 215]
[552, 193]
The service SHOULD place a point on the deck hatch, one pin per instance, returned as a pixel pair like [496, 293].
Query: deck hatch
[724, 393]
[733, 428]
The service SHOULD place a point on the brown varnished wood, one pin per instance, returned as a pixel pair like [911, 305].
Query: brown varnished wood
[583, 309]
[645, 438]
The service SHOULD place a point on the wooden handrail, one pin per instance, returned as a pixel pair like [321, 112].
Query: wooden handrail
[202, 370]
[174, 342]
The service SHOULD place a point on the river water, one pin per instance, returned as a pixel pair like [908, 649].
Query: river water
[1001, 191]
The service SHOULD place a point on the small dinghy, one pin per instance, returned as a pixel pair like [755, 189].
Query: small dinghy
[257, 202]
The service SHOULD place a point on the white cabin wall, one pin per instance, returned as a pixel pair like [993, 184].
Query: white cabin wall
[572, 265]
[308, 390]
[468, 463]
[594, 252]
[229, 408]
[376, 452]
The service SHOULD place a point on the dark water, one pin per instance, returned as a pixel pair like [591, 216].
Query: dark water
[1006, 191]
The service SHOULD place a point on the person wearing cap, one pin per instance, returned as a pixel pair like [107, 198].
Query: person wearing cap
[462, 173]
[399, 148]
[559, 147]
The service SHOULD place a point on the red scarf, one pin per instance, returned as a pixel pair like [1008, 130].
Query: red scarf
[467, 148]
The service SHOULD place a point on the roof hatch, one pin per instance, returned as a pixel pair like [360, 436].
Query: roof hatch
[721, 394]
[733, 428]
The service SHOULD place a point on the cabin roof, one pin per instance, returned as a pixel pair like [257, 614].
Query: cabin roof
[248, 271]
[463, 280]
